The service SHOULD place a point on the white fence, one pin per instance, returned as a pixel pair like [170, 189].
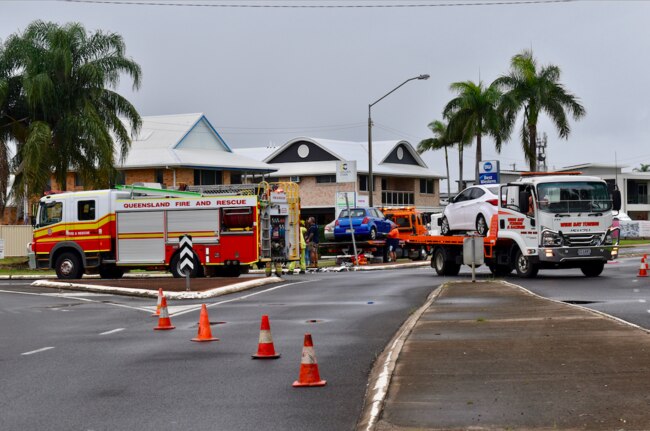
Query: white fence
[635, 229]
[15, 239]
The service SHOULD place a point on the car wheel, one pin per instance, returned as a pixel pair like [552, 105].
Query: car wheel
[524, 267]
[68, 266]
[444, 227]
[593, 269]
[481, 225]
[373, 233]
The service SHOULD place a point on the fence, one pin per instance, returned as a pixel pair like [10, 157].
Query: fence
[15, 239]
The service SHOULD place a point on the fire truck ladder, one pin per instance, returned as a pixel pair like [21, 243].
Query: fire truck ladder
[292, 192]
[225, 189]
[265, 221]
[146, 192]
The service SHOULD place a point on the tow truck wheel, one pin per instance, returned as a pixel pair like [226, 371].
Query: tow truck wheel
[524, 267]
[68, 266]
[481, 225]
[444, 226]
[593, 269]
[441, 265]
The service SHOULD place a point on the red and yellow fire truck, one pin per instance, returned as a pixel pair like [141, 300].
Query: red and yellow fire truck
[111, 231]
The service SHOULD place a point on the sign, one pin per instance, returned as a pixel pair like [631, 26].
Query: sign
[2, 248]
[346, 171]
[363, 201]
[340, 201]
[489, 172]
[186, 255]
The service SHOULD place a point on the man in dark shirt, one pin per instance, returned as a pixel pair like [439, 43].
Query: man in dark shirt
[312, 242]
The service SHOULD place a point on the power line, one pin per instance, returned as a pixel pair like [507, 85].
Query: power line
[320, 6]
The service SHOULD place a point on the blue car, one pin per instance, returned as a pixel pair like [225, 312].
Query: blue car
[367, 223]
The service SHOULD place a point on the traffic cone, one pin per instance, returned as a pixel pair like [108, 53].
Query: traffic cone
[265, 348]
[205, 333]
[160, 295]
[164, 322]
[643, 270]
[309, 375]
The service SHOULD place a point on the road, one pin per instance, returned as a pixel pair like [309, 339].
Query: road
[76, 360]
[93, 362]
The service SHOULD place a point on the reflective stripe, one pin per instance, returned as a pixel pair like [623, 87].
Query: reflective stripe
[308, 356]
[265, 337]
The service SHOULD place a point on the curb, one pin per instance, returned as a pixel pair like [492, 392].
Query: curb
[233, 288]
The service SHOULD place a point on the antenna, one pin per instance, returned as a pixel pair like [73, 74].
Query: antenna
[541, 153]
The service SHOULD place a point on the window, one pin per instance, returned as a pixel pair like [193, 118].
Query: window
[204, 177]
[477, 193]
[325, 179]
[384, 184]
[158, 176]
[363, 183]
[235, 178]
[426, 186]
[49, 213]
[120, 177]
[78, 181]
[86, 210]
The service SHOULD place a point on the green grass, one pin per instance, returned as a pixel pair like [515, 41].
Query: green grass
[625, 242]
[19, 266]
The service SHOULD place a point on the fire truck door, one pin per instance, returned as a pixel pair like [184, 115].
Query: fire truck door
[140, 237]
[83, 228]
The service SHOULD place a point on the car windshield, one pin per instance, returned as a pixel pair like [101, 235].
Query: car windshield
[353, 212]
[573, 197]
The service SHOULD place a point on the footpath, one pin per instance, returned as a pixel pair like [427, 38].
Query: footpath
[493, 356]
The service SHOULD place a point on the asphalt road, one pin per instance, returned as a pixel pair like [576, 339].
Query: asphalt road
[80, 361]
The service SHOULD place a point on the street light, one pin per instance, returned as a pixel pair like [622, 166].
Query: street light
[370, 177]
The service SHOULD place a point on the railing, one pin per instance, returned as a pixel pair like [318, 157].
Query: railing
[15, 239]
[391, 197]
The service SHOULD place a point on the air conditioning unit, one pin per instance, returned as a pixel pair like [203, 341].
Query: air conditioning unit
[294, 179]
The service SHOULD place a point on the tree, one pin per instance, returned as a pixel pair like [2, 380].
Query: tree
[473, 113]
[59, 105]
[439, 141]
[535, 90]
[642, 168]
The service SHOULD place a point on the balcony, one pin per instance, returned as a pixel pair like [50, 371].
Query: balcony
[394, 197]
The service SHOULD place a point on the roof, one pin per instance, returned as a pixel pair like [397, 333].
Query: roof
[184, 140]
[345, 151]
[591, 165]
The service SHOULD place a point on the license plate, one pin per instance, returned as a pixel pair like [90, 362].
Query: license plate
[584, 252]
[348, 231]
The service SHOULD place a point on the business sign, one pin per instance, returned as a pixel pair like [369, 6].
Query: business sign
[346, 172]
[340, 201]
[489, 172]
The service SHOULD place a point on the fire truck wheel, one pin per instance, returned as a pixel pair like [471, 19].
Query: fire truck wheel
[111, 271]
[481, 225]
[68, 266]
[524, 267]
[444, 226]
[593, 269]
[174, 267]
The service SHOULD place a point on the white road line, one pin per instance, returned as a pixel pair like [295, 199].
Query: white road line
[642, 300]
[37, 351]
[76, 298]
[112, 331]
[198, 307]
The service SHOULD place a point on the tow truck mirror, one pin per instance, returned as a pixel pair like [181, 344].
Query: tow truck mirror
[524, 197]
[616, 200]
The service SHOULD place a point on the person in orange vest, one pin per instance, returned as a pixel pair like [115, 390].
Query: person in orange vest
[392, 242]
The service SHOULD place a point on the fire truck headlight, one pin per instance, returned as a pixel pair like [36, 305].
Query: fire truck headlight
[550, 238]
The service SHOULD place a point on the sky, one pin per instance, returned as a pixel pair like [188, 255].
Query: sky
[265, 75]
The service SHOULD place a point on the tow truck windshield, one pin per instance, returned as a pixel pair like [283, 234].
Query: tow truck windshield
[573, 197]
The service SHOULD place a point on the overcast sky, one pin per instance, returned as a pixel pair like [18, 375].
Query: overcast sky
[266, 75]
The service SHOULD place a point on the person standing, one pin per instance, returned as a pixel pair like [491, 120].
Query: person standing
[312, 242]
[303, 251]
[392, 242]
[306, 251]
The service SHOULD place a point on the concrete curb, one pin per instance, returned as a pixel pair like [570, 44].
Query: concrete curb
[53, 277]
[237, 287]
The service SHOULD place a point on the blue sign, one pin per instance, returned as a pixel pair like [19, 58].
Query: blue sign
[488, 172]
[491, 178]
[487, 167]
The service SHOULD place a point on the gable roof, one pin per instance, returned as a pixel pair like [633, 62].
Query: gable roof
[183, 140]
[289, 160]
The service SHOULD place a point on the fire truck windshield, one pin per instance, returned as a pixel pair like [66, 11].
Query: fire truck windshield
[49, 213]
[573, 197]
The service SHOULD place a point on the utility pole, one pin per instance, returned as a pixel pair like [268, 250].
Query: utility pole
[541, 153]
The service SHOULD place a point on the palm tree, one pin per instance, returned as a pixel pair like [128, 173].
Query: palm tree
[57, 102]
[642, 168]
[440, 140]
[473, 113]
[535, 90]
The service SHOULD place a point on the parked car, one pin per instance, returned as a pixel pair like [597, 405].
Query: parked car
[328, 231]
[368, 223]
[472, 209]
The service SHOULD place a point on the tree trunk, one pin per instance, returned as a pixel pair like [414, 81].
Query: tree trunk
[479, 156]
[460, 164]
[447, 165]
[532, 144]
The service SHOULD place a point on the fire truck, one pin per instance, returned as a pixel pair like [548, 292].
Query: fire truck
[108, 232]
[544, 221]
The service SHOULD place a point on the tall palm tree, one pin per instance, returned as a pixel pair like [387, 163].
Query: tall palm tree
[473, 113]
[65, 113]
[642, 168]
[535, 90]
[439, 141]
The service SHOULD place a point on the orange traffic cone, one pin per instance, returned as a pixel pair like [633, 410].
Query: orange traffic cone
[205, 333]
[643, 269]
[265, 348]
[160, 295]
[309, 375]
[164, 322]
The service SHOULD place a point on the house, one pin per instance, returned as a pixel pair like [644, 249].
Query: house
[401, 177]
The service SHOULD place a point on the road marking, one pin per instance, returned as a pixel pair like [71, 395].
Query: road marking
[636, 291]
[244, 297]
[37, 351]
[641, 300]
[76, 298]
[112, 331]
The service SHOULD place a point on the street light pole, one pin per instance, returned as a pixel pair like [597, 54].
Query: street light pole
[371, 182]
